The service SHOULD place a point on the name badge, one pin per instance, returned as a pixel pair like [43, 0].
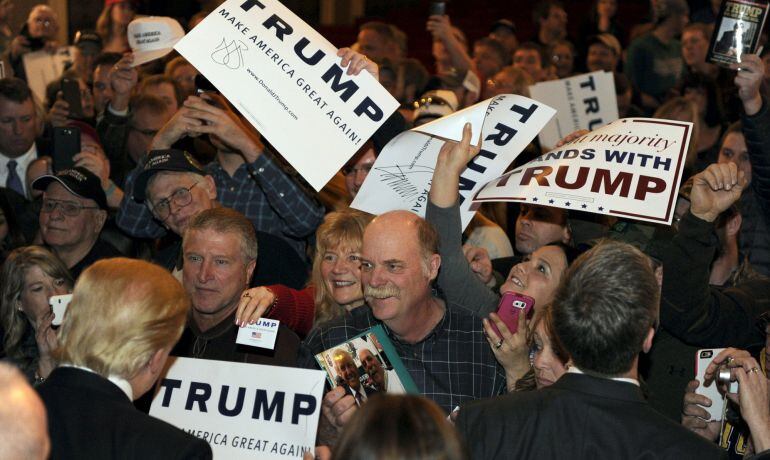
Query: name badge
[262, 334]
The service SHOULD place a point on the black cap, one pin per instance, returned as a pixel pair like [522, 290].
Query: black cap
[88, 40]
[164, 160]
[503, 24]
[79, 182]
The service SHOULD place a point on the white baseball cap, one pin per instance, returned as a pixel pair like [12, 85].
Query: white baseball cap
[153, 37]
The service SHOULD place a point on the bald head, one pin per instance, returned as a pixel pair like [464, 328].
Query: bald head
[406, 225]
[23, 425]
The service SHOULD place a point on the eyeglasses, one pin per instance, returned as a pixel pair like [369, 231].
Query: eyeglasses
[68, 208]
[181, 198]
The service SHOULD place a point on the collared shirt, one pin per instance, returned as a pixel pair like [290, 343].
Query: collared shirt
[261, 191]
[575, 370]
[22, 163]
[120, 382]
[452, 365]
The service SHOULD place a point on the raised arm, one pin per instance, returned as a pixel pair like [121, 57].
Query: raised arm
[690, 309]
[456, 279]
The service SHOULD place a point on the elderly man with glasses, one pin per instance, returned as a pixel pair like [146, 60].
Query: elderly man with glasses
[175, 188]
[72, 215]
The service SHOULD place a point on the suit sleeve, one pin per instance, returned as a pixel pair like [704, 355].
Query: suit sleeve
[196, 450]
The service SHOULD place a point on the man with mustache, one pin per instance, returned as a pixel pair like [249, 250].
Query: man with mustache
[441, 344]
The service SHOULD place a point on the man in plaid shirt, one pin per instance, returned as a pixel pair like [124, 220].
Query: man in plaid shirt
[442, 345]
[247, 178]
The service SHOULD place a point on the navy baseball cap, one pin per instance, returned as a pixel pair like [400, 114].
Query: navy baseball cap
[164, 160]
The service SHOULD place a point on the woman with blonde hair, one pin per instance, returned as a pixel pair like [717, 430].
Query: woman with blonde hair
[335, 285]
[31, 275]
[112, 25]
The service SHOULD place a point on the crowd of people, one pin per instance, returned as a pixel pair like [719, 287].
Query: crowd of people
[176, 223]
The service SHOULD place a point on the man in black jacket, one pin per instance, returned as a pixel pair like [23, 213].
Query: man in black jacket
[605, 313]
[124, 317]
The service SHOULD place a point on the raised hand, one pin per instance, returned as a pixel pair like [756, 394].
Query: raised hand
[716, 189]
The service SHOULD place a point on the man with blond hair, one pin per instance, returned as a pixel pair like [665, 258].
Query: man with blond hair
[123, 320]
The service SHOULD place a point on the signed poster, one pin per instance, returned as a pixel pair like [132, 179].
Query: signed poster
[285, 78]
[400, 178]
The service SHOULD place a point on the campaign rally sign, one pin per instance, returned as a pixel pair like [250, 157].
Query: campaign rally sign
[630, 168]
[242, 410]
[285, 78]
[585, 101]
[401, 176]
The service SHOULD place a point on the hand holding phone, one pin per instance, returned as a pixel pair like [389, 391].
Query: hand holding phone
[437, 8]
[66, 144]
[71, 95]
[708, 389]
[59, 304]
[511, 308]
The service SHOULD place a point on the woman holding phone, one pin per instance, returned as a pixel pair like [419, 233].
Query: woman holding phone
[31, 276]
[537, 276]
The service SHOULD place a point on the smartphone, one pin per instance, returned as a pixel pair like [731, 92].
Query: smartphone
[71, 91]
[59, 305]
[513, 306]
[437, 9]
[702, 360]
[66, 144]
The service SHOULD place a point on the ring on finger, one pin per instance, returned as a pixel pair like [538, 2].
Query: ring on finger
[499, 344]
[730, 360]
[247, 295]
[754, 370]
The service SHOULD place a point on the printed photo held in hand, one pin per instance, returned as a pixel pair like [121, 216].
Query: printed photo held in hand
[366, 365]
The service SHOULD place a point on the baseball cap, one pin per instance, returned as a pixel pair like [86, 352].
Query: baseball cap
[153, 37]
[434, 104]
[79, 182]
[607, 40]
[88, 41]
[503, 24]
[164, 160]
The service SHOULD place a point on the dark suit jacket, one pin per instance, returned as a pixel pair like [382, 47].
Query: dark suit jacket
[90, 417]
[578, 417]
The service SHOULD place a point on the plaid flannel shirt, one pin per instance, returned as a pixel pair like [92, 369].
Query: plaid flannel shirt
[271, 200]
[452, 365]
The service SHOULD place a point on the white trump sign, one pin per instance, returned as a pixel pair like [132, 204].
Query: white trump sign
[585, 101]
[285, 78]
[242, 410]
[401, 176]
[630, 168]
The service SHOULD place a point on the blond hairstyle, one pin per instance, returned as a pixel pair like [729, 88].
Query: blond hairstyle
[339, 229]
[19, 262]
[122, 312]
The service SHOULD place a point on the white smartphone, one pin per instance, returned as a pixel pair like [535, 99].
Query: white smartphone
[702, 360]
[59, 305]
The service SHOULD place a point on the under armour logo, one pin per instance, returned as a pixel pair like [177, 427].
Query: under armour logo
[229, 54]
